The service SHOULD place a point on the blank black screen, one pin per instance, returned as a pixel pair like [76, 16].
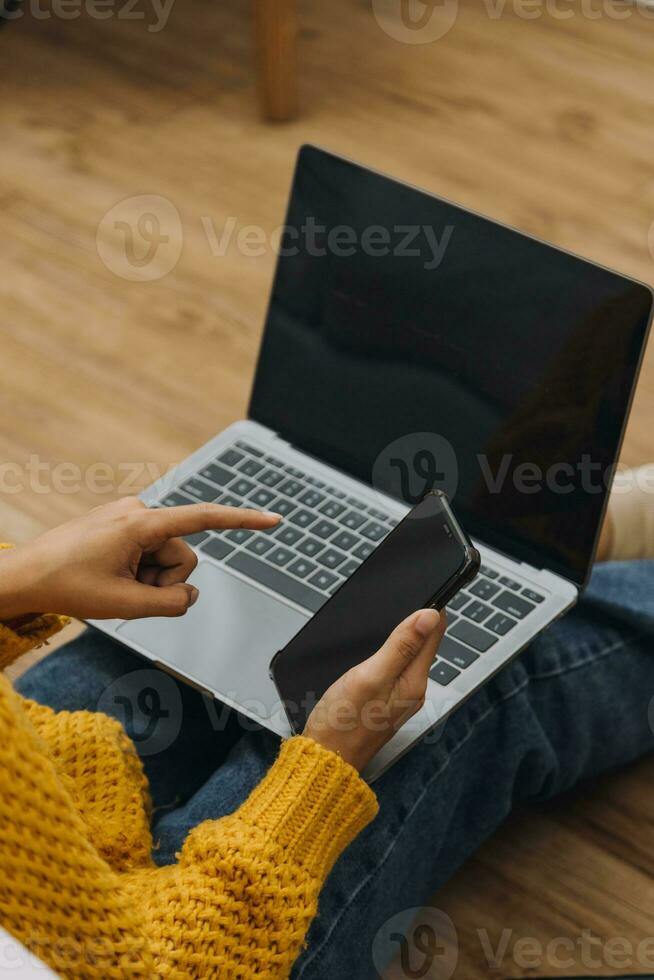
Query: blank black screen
[404, 574]
[515, 353]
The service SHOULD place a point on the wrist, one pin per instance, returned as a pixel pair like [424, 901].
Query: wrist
[17, 596]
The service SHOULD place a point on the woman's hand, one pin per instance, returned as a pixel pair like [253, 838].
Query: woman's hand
[120, 561]
[365, 708]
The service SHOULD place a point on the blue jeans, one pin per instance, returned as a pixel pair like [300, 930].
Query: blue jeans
[573, 705]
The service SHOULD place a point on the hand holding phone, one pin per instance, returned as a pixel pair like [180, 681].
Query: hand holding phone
[364, 708]
[425, 560]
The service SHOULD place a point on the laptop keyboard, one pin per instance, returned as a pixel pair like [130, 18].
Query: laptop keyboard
[325, 536]
[477, 617]
[323, 539]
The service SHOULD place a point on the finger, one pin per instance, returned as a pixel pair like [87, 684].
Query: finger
[416, 636]
[173, 562]
[129, 599]
[417, 672]
[160, 523]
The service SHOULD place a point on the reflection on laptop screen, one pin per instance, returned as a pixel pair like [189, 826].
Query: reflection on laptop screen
[395, 315]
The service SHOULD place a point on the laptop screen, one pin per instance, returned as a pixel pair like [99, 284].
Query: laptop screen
[412, 344]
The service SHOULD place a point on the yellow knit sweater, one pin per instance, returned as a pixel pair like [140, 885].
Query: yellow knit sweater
[77, 882]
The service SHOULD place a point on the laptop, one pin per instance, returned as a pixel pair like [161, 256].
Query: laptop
[409, 344]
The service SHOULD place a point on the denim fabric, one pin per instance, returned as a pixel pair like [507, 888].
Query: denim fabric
[575, 704]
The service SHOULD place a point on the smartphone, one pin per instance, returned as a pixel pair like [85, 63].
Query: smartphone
[423, 562]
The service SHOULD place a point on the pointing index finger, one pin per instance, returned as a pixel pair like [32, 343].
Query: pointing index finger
[177, 522]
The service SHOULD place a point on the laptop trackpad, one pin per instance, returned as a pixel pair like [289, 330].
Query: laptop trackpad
[225, 642]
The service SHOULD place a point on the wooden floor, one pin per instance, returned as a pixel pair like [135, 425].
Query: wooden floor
[547, 124]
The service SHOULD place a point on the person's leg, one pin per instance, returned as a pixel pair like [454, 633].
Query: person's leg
[181, 736]
[574, 704]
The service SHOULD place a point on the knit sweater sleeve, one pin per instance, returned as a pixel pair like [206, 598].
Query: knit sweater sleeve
[21, 635]
[239, 900]
[245, 889]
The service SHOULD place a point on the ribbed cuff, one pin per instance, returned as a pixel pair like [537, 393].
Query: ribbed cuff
[311, 803]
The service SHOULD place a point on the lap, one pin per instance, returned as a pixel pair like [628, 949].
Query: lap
[572, 705]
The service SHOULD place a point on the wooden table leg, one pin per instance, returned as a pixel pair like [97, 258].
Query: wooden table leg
[276, 32]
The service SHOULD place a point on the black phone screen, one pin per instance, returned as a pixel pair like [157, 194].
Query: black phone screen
[405, 573]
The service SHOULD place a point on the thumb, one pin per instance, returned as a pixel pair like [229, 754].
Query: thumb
[135, 600]
[418, 632]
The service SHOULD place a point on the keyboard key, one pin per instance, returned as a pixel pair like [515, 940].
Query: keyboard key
[379, 515]
[199, 489]
[488, 571]
[261, 497]
[274, 461]
[332, 509]
[484, 589]
[294, 471]
[311, 498]
[217, 548]
[349, 568]
[230, 501]
[303, 518]
[288, 535]
[364, 549]
[345, 541]
[510, 583]
[443, 673]
[500, 624]
[250, 467]
[280, 556]
[302, 567]
[310, 546]
[331, 558]
[324, 529]
[250, 449]
[176, 500]
[477, 611]
[476, 638]
[455, 653]
[239, 535]
[282, 506]
[241, 488]
[276, 580]
[337, 493]
[533, 596]
[458, 601]
[260, 544]
[322, 579]
[353, 520]
[355, 502]
[217, 474]
[374, 531]
[196, 539]
[291, 488]
[271, 478]
[231, 457]
[513, 605]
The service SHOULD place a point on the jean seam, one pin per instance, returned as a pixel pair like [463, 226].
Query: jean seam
[518, 689]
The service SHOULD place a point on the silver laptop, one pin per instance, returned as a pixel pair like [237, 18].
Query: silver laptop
[409, 343]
